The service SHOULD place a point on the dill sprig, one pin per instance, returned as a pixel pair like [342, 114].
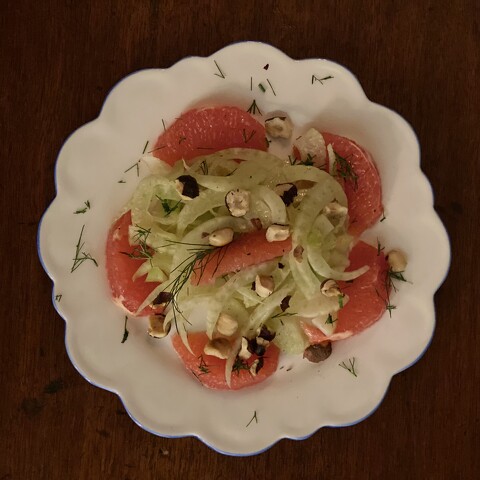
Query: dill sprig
[166, 205]
[388, 306]
[380, 248]
[307, 162]
[253, 108]
[350, 367]
[220, 74]
[395, 276]
[344, 169]
[202, 366]
[80, 255]
[135, 165]
[247, 139]
[271, 86]
[252, 419]
[141, 250]
[199, 257]
[390, 278]
[239, 365]
[283, 314]
[125, 331]
[204, 167]
[321, 80]
[330, 320]
[58, 297]
[84, 209]
[261, 87]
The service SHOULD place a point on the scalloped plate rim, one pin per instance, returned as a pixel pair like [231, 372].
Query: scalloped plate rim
[406, 124]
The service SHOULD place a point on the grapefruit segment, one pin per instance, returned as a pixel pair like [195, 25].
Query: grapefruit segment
[210, 371]
[248, 249]
[128, 293]
[364, 193]
[208, 130]
[368, 295]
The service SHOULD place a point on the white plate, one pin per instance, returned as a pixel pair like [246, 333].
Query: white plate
[155, 388]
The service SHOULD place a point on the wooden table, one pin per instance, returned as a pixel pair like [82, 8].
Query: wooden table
[58, 61]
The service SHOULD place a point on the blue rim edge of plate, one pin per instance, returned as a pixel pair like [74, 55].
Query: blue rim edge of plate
[137, 422]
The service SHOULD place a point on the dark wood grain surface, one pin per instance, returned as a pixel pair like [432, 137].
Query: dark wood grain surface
[59, 59]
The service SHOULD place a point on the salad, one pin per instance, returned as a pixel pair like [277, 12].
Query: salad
[238, 254]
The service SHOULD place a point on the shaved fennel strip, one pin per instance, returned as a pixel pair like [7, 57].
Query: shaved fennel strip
[228, 289]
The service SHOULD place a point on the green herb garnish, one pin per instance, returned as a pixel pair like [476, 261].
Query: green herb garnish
[202, 366]
[84, 209]
[271, 86]
[240, 364]
[321, 80]
[141, 250]
[125, 331]
[167, 206]
[220, 74]
[204, 167]
[252, 419]
[330, 320]
[81, 256]
[247, 139]
[253, 108]
[344, 169]
[350, 367]
[135, 165]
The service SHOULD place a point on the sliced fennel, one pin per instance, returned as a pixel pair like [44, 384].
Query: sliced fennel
[176, 229]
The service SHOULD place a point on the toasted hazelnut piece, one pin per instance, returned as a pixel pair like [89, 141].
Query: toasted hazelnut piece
[311, 146]
[262, 342]
[318, 352]
[226, 325]
[285, 303]
[238, 202]
[162, 299]
[256, 366]
[277, 233]
[156, 328]
[219, 347]
[220, 237]
[330, 288]
[265, 333]
[335, 210]
[264, 285]
[397, 261]
[187, 186]
[279, 127]
[244, 353]
[255, 348]
[287, 192]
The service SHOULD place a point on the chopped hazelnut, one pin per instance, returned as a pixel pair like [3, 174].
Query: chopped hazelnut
[221, 237]
[238, 202]
[277, 233]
